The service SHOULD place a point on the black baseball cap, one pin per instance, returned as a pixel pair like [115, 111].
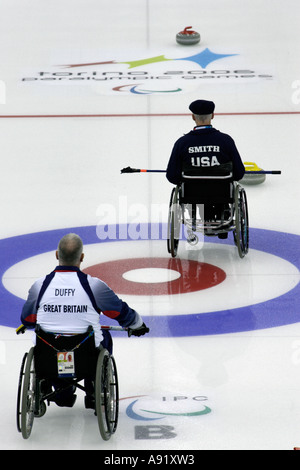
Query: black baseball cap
[202, 107]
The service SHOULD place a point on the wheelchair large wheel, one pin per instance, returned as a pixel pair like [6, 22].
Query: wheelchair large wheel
[19, 395]
[106, 394]
[241, 221]
[26, 395]
[174, 222]
[169, 221]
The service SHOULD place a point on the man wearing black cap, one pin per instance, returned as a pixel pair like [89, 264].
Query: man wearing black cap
[203, 147]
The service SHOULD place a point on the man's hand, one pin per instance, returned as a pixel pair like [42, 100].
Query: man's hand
[142, 330]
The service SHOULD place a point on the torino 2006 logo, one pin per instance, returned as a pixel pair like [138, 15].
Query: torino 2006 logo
[154, 74]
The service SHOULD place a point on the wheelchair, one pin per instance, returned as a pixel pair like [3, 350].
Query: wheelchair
[66, 361]
[208, 201]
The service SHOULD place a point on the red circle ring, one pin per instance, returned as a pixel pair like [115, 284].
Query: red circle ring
[194, 276]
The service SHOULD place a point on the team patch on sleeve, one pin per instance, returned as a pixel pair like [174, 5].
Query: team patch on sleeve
[111, 313]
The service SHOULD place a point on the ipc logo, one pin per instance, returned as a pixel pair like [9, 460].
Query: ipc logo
[147, 408]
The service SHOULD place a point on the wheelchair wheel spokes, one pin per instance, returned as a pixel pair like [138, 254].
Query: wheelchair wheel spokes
[111, 395]
[19, 395]
[28, 396]
[169, 222]
[174, 222]
[99, 395]
[241, 222]
[244, 222]
[106, 394]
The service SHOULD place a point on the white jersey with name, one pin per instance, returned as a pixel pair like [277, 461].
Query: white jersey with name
[68, 301]
[65, 307]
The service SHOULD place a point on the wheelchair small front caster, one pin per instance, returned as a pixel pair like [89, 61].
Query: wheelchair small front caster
[192, 239]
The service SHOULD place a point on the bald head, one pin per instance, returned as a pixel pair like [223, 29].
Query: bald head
[69, 252]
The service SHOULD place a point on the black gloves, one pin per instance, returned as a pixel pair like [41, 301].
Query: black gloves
[142, 330]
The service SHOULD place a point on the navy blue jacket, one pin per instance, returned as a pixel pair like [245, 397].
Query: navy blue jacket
[203, 147]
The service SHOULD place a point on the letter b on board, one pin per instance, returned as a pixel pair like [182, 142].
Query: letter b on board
[154, 432]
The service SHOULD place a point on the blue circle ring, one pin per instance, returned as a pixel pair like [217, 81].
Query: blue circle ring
[282, 310]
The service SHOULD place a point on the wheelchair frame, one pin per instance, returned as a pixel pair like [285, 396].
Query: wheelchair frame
[236, 220]
[31, 399]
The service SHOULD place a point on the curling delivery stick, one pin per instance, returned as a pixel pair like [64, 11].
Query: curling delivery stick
[128, 169]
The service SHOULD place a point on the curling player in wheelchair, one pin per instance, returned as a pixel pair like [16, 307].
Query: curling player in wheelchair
[204, 149]
[67, 301]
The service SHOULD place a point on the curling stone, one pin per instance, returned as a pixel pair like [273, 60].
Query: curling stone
[255, 178]
[187, 38]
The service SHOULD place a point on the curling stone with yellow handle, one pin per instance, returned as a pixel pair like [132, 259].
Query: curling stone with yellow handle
[254, 178]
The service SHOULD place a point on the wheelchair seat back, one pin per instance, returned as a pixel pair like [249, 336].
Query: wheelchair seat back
[211, 185]
[48, 345]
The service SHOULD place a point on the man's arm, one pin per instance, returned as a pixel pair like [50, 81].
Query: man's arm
[238, 166]
[114, 307]
[28, 315]
[174, 168]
